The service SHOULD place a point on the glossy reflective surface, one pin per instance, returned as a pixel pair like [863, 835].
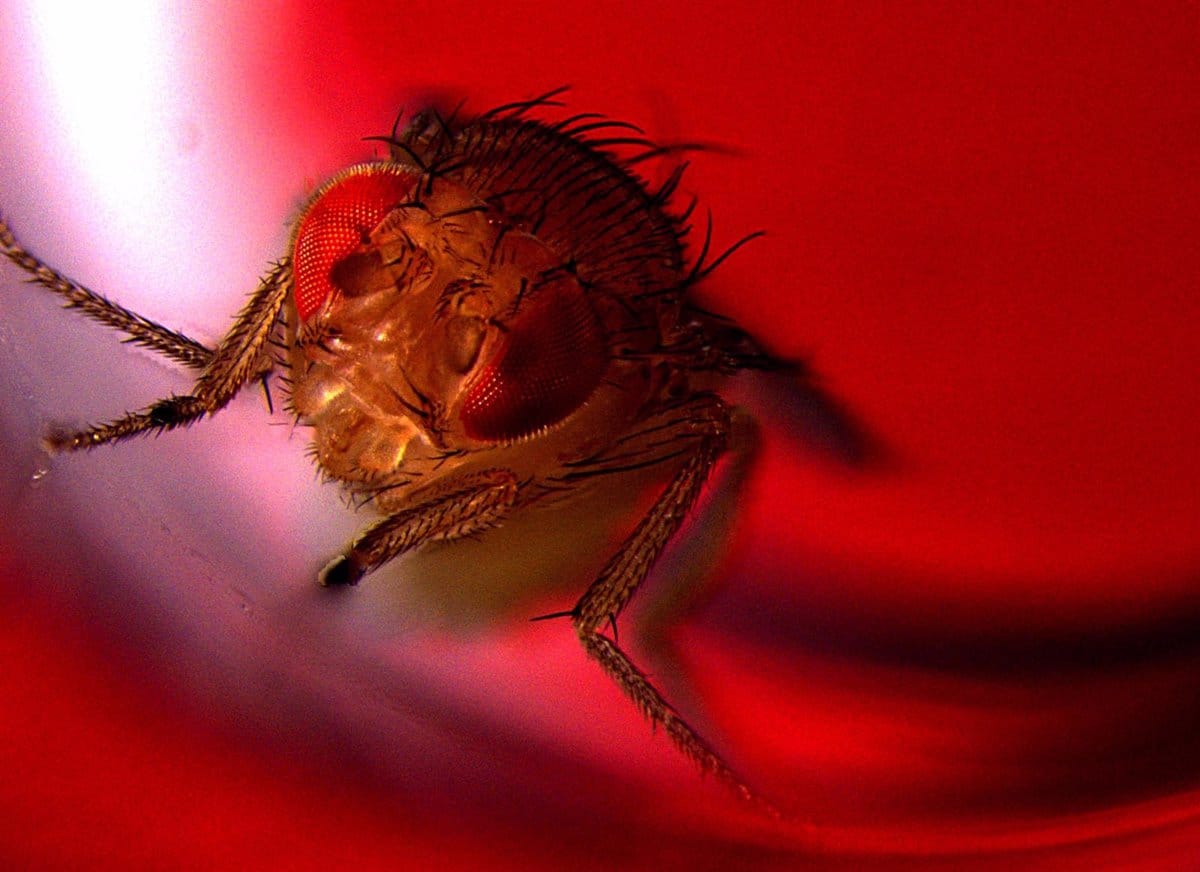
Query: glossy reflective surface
[981, 232]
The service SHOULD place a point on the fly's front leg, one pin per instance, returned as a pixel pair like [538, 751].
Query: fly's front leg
[462, 507]
[141, 331]
[699, 431]
[239, 357]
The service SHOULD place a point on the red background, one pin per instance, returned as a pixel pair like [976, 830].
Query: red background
[981, 231]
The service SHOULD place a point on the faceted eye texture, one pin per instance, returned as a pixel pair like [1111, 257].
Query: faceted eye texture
[338, 220]
[554, 357]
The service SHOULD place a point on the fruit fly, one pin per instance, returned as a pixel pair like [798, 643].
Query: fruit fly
[496, 313]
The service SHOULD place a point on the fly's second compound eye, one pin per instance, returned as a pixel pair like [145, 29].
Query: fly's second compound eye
[337, 221]
[554, 356]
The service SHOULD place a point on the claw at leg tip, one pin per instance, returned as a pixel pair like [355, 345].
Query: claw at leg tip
[339, 572]
[56, 442]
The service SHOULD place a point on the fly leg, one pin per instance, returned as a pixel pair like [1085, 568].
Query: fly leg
[239, 357]
[141, 331]
[699, 431]
[463, 507]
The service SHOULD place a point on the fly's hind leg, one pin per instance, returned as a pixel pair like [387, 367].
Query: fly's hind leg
[239, 357]
[698, 430]
[461, 507]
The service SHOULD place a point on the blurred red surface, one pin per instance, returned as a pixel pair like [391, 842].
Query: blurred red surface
[981, 232]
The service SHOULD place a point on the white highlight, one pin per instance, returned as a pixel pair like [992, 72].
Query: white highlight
[107, 65]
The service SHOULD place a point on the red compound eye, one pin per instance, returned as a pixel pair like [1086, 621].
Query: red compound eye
[553, 358]
[337, 220]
